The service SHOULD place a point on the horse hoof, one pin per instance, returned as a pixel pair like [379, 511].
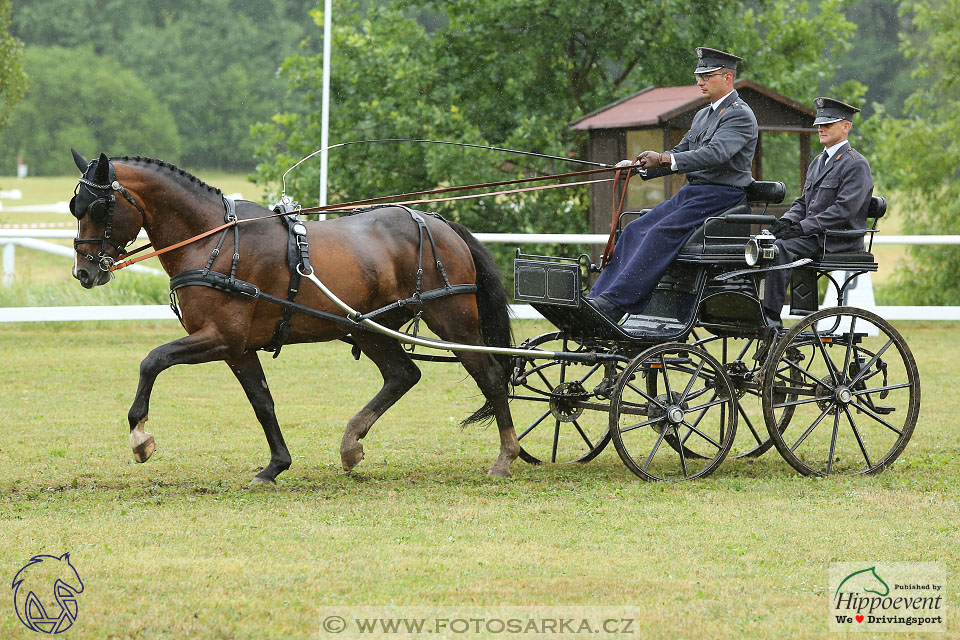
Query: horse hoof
[262, 484]
[351, 457]
[142, 443]
[499, 472]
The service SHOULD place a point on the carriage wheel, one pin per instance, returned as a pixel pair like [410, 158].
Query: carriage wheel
[673, 393]
[857, 393]
[737, 356]
[565, 413]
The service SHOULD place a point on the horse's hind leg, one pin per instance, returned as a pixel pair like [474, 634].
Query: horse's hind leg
[491, 378]
[399, 373]
[249, 373]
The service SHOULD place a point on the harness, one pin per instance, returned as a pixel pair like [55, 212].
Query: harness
[101, 208]
[298, 255]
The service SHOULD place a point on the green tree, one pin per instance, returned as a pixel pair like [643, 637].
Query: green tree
[514, 74]
[78, 99]
[918, 157]
[13, 81]
[211, 63]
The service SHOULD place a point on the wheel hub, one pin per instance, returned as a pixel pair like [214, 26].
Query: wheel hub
[563, 401]
[843, 395]
[674, 414]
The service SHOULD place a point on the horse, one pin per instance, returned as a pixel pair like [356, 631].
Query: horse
[370, 260]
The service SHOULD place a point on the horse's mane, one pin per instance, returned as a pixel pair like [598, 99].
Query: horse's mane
[186, 175]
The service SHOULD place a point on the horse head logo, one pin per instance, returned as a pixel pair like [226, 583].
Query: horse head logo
[45, 593]
[866, 581]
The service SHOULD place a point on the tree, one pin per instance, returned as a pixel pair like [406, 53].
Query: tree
[13, 81]
[918, 157]
[89, 102]
[514, 74]
[212, 63]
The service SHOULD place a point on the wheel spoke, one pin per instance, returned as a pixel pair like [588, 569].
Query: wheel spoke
[583, 435]
[699, 418]
[856, 432]
[873, 415]
[802, 371]
[653, 451]
[640, 424]
[556, 441]
[833, 442]
[866, 367]
[846, 356]
[533, 426]
[812, 427]
[831, 367]
[702, 435]
[693, 378]
[683, 458]
[756, 436]
[890, 387]
[707, 405]
[646, 397]
[666, 378]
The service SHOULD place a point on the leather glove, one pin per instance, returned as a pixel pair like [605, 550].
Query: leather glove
[794, 230]
[629, 164]
[650, 160]
[778, 227]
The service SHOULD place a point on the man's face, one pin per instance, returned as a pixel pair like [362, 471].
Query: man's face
[834, 133]
[714, 85]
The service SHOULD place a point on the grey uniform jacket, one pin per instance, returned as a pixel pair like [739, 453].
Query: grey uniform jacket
[836, 197]
[719, 147]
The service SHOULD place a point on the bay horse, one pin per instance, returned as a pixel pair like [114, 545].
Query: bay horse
[369, 260]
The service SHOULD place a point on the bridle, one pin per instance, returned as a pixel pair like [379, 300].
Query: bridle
[102, 208]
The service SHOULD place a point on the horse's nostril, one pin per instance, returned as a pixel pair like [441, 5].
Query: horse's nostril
[83, 276]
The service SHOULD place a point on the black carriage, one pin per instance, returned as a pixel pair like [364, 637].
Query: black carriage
[838, 392]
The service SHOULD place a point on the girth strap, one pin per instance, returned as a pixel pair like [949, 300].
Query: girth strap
[223, 282]
[298, 258]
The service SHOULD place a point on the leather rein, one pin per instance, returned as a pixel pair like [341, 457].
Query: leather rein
[125, 259]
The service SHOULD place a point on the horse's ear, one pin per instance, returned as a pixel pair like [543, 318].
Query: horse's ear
[103, 169]
[81, 163]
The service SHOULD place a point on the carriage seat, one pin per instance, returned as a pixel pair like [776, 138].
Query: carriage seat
[724, 235]
[854, 260]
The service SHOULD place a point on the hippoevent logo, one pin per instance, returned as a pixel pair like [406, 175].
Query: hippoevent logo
[45, 593]
[887, 596]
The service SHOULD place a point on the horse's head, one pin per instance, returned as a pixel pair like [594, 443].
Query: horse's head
[105, 224]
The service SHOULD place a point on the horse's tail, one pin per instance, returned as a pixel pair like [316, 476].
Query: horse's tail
[494, 311]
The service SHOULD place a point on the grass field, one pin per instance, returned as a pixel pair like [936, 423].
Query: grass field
[178, 547]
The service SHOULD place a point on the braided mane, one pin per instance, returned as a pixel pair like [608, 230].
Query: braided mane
[166, 165]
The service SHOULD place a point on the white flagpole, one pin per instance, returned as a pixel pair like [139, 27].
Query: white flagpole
[325, 102]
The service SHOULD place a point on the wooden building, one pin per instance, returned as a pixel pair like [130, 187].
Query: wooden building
[657, 118]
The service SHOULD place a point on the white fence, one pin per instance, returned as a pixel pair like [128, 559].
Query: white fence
[30, 238]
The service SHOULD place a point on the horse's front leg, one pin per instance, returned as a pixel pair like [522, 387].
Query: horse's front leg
[205, 345]
[249, 372]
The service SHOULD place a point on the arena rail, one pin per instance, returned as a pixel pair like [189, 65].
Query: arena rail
[22, 237]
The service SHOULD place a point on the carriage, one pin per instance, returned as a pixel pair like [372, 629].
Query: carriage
[837, 393]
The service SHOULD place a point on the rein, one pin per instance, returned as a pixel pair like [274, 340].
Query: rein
[126, 261]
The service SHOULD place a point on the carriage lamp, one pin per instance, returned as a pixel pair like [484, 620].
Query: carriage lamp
[761, 248]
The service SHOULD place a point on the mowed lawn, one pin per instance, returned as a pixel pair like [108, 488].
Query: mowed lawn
[179, 547]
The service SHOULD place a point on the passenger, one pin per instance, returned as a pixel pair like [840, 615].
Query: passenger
[716, 154]
[836, 196]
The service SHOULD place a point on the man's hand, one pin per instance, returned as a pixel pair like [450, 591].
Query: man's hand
[786, 229]
[779, 227]
[651, 160]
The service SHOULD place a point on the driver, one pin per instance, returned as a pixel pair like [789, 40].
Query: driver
[716, 154]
